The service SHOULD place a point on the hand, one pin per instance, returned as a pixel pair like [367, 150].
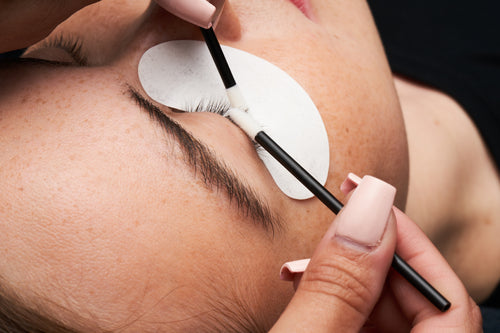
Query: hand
[199, 12]
[347, 285]
[25, 22]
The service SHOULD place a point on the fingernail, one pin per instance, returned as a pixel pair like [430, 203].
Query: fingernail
[219, 6]
[364, 218]
[350, 183]
[199, 12]
[289, 269]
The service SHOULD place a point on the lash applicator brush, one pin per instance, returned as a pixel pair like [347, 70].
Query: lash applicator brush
[255, 132]
[236, 99]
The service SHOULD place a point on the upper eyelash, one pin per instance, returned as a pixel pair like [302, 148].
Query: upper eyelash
[214, 105]
[218, 106]
[71, 44]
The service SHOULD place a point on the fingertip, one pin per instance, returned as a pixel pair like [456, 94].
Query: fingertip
[350, 183]
[199, 12]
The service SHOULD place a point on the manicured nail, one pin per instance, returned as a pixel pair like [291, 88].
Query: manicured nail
[364, 218]
[350, 183]
[219, 6]
[289, 269]
[199, 12]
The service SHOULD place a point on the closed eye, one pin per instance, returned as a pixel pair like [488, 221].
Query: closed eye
[72, 45]
[213, 105]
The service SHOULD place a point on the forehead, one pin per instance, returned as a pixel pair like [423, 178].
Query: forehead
[51, 101]
[52, 116]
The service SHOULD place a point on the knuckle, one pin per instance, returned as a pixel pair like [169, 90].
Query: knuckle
[342, 280]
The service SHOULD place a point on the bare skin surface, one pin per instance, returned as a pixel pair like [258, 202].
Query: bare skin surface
[145, 210]
[454, 190]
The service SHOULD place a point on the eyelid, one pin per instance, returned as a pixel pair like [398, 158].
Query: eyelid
[213, 105]
[71, 44]
[213, 173]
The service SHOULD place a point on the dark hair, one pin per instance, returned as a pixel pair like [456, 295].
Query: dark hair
[15, 317]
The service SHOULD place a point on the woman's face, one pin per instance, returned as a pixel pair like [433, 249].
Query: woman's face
[106, 214]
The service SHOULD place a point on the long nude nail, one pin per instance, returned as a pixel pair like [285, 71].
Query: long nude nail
[289, 269]
[199, 12]
[350, 183]
[364, 218]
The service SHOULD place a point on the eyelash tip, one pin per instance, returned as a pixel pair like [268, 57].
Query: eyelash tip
[213, 105]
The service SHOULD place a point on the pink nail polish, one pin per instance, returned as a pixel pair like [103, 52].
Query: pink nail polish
[289, 269]
[219, 6]
[350, 183]
[199, 12]
[365, 216]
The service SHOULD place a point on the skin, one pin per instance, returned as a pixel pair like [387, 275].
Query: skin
[99, 204]
[28, 21]
[465, 220]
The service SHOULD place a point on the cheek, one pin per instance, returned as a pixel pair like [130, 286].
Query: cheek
[352, 86]
[361, 111]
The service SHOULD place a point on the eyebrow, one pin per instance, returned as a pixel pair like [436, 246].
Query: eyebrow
[213, 172]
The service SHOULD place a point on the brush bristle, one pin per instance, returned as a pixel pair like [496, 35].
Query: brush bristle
[244, 121]
[236, 98]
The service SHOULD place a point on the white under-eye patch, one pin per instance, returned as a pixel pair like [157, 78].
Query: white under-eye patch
[180, 73]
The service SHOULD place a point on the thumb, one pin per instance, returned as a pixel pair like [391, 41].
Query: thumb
[346, 274]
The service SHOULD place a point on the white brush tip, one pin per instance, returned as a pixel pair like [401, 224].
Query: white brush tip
[244, 121]
[236, 99]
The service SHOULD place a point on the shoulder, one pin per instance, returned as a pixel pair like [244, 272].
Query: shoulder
[454, 189]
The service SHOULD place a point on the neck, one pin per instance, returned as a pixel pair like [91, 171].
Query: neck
[451, 174]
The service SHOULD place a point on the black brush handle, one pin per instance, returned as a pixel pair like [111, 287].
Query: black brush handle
[424, 287]
[219, 58]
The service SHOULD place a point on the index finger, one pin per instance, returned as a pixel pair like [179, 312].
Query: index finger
[414, 246]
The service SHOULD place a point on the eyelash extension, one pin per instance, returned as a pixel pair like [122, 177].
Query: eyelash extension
[213, 105]
[71, 44]
[258, 148]
[217, 106]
